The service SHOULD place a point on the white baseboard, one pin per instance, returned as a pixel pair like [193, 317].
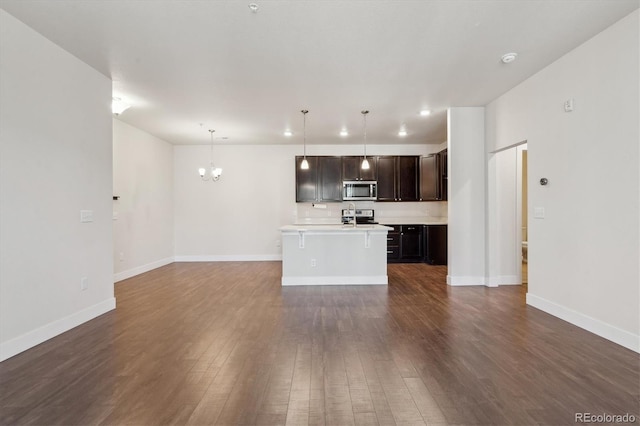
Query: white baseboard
[332, 280]
[464, 281]
[595, 326]
[141, 269]
[230, 258]
[503, 280]
[35, 337]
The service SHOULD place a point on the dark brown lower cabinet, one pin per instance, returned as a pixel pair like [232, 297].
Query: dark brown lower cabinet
[393, 244]
[411, 243]
[417, 243]
[405, 244]
[435, 237]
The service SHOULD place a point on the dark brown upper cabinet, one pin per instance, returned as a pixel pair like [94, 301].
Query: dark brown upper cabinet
[407, 172]
[307, 180]
[444, 175]
[330, 179]
[322, 181]
[387, 178]
[430, 178]
[352, 169]
[398, 178]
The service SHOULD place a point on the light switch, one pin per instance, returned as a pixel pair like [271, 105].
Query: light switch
[115, 215]
[568, 105]
[86, 216]
[538, 212]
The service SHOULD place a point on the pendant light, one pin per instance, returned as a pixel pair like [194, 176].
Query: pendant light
[213, 173]
[305, 164]
[365, 162]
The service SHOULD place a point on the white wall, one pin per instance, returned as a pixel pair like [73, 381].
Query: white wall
[55, 160]
[143, 216]
[467, 189]
[584, 255]
[238, 218]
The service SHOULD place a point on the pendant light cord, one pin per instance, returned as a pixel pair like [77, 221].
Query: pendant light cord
[364, 116]
[304, 132]
[211, 132]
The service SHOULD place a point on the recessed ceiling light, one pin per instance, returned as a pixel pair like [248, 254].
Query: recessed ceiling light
[402, 133]
[118, 106]
[288, 133]
[344, 132]
[507, 58]
[253, 7]
[425, 112]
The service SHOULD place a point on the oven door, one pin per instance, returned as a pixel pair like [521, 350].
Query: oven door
[359, 190]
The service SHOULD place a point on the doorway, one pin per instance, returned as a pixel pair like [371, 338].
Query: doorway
[508, 235]
[524, 237]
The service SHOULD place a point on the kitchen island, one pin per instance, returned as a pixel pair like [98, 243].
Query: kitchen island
[334, 254]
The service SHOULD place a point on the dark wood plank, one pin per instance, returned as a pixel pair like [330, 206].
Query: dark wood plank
[224, 343]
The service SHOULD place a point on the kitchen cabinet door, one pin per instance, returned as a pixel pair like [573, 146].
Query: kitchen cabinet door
[352, 169]
[330, 179]
[407, 178]
[444, 175]
[393, 244]
[411, 243]
[436, 244]
[430, 178]
[386, 178]
[371, 173]
[307, 180]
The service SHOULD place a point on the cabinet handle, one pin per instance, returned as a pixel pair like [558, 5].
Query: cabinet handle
[389, 252]
[389, 239]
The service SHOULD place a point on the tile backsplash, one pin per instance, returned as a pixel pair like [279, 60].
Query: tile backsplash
[405, 209]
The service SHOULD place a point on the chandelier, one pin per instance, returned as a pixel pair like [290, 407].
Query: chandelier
[212, 173]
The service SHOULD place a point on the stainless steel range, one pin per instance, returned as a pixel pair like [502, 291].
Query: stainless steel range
[362, 216]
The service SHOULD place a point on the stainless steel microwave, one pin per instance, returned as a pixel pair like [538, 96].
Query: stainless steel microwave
[354, 190]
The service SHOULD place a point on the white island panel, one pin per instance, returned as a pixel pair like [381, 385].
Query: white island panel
[334, 255]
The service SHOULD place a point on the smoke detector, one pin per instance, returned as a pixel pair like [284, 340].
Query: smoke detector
[253, 7]
[507, 58]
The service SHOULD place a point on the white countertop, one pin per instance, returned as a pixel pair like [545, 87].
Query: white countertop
[392, 220]
[412, 220]
[318, 221]
[334, 228]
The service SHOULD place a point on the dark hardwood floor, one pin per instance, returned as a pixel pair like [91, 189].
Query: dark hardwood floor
[224, 343]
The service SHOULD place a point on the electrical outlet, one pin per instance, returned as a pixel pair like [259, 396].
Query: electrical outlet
[86, 216]
[313, 263]
[121, 256]
[84, 283]
[278, 243]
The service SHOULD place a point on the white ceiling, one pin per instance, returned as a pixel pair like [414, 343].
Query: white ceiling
[247, 75]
